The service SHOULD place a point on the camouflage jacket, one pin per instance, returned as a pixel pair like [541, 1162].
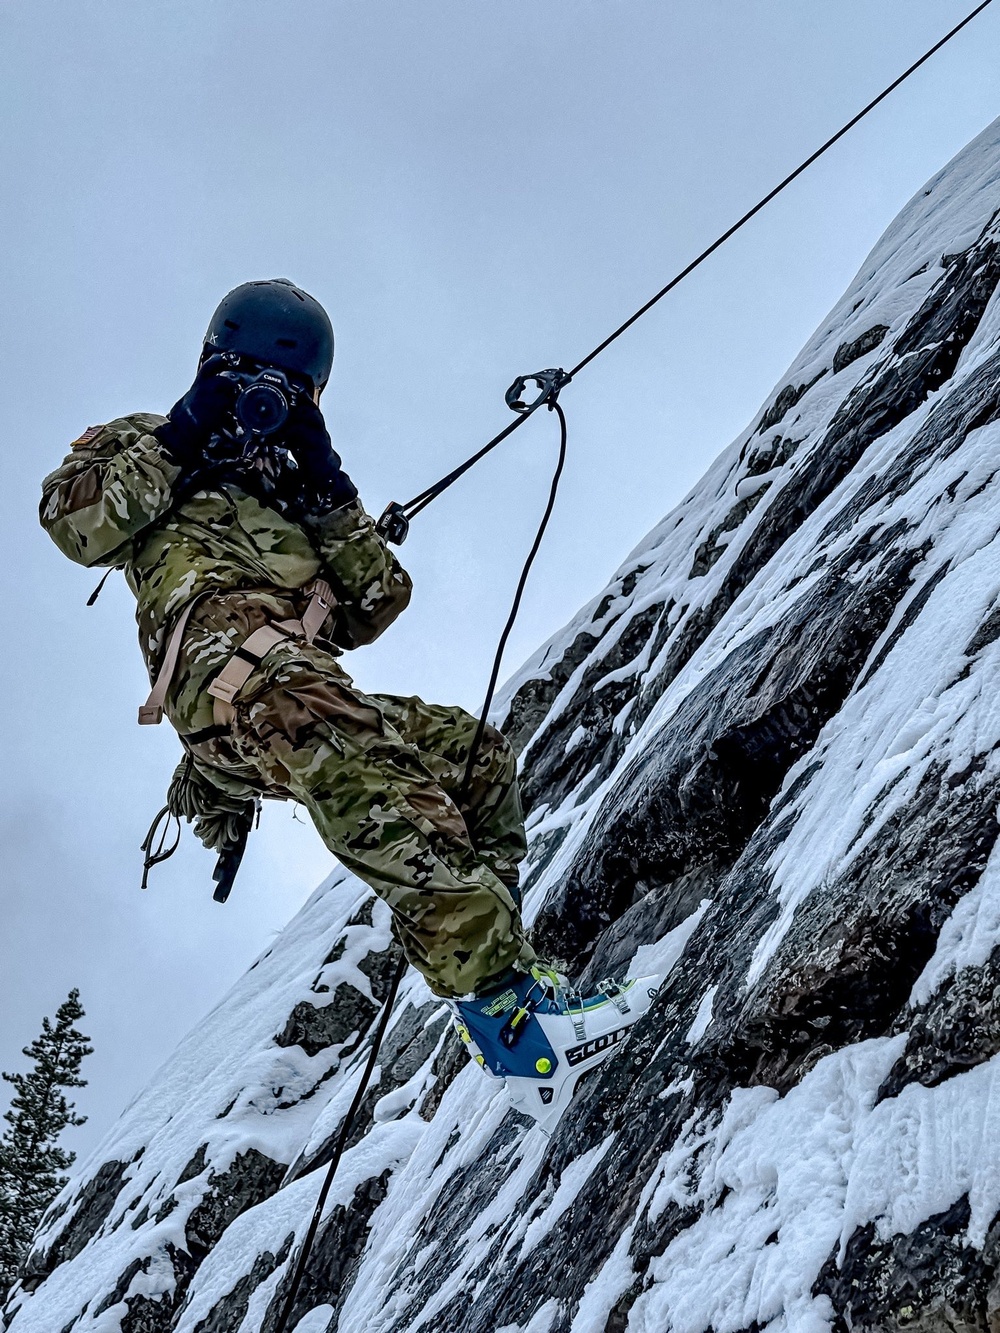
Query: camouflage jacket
[113, 502]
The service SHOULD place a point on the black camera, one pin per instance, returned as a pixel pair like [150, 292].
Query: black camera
[265, 399]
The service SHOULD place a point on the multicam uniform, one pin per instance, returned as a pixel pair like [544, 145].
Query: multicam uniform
[378, 773]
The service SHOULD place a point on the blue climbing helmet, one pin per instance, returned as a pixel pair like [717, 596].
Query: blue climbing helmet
[274, 323]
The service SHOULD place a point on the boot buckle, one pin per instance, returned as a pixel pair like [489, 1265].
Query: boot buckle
[615, 992]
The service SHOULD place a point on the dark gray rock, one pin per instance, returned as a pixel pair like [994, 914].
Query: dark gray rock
[229, 1313]
[932, 1281]
[858, 347]
[534, 699]
[251, 1177]
[691, 801]
[958, 1029]
[333, 1260]
[92, 1206]
[783, 404]
[315, 1027]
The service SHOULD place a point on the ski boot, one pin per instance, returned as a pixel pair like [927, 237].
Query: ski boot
[541, 1037]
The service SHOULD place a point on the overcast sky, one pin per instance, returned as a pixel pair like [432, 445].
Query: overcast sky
[474, 189]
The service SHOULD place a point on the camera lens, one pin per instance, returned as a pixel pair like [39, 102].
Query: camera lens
[262, 409]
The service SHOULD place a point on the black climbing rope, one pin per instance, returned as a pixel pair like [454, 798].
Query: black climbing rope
[338, 1152]
[394, 525]
[516, 604]
[773, 194]
[550, 390]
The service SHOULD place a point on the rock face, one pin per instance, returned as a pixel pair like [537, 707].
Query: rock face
[763, 760]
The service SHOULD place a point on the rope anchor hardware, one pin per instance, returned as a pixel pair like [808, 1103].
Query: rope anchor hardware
[548, 381]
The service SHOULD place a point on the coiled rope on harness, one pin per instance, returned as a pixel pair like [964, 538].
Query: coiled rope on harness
[394, 525]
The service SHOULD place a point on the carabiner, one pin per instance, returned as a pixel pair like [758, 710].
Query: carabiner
[393, 525]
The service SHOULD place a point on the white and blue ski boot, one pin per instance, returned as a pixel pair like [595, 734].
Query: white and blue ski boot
[541, 1037]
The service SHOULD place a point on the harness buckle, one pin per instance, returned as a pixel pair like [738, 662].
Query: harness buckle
[224, 689]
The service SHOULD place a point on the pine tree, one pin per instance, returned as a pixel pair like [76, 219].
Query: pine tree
[31, 1161]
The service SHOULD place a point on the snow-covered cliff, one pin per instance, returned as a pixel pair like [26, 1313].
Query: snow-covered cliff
[765, 757]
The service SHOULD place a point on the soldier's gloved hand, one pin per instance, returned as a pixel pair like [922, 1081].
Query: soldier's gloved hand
[327, 485]
[206, 408]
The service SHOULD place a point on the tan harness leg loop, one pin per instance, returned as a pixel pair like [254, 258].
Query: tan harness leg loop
[246, 659]
[151, 712]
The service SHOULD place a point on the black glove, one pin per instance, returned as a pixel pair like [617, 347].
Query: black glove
[205, 409]
[326, 485]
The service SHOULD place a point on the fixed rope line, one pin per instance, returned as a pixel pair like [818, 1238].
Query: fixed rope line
[394, 525]
[338, 1152]
[421, 501]
[778, 189]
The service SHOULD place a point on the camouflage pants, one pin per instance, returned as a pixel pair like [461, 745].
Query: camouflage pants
[380, 776]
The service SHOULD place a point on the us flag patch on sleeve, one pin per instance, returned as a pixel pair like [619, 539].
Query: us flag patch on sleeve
[91, 433]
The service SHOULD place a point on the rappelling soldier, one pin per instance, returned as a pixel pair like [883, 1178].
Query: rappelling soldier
[255, 568]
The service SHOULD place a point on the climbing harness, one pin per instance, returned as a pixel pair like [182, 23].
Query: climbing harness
[249, 655]
[224, 688]
[255, 647]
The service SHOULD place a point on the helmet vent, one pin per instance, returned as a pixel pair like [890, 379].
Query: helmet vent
[230, 324]
[287, 342]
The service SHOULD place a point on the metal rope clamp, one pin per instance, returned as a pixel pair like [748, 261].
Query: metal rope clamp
[549, 383]
[394, 524]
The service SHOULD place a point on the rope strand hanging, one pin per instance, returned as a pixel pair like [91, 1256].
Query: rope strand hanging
[345, 1129]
